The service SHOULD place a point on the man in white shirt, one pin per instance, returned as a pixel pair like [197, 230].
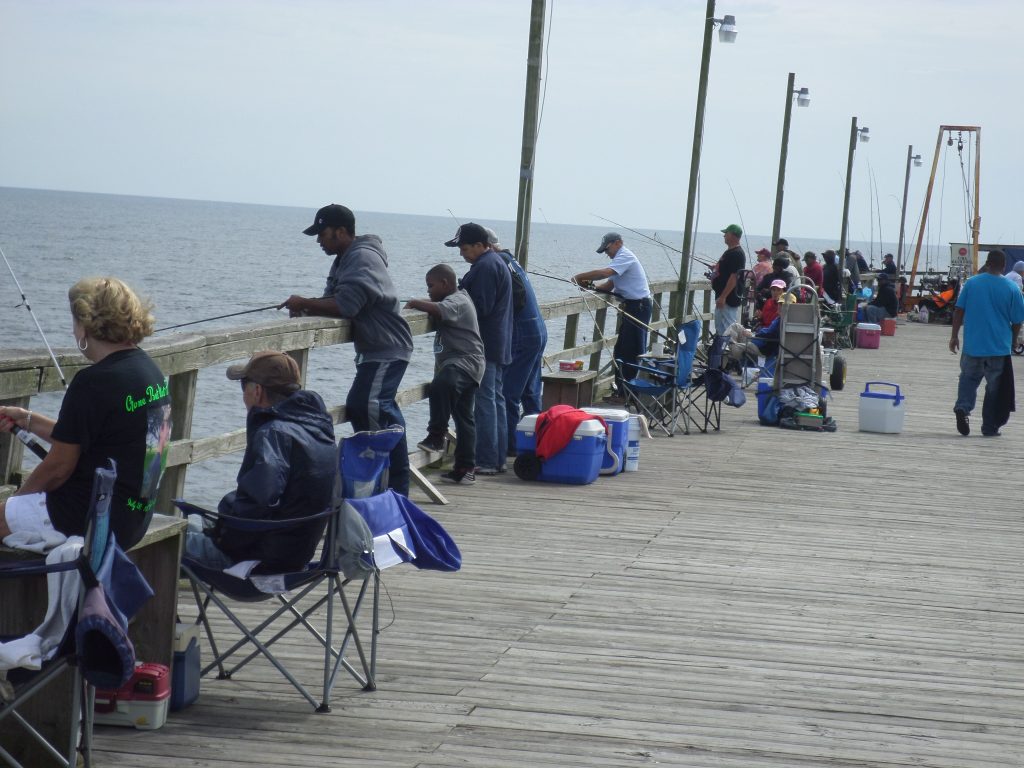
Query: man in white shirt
[625, 278]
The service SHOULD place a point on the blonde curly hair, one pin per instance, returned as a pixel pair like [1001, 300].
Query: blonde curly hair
[110, 311]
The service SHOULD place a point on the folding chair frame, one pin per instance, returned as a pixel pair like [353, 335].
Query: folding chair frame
[82, 694]
[334, 656]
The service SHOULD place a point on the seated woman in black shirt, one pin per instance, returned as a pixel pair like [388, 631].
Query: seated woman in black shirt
[118, 408]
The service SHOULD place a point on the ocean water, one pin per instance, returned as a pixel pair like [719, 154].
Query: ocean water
[198, 259]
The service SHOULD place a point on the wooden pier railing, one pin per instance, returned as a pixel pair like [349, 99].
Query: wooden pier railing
[181, 357]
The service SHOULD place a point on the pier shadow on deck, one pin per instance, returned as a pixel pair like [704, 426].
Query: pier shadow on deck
[756, 597]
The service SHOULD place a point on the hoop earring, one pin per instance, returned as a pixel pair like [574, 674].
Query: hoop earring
[83, 344]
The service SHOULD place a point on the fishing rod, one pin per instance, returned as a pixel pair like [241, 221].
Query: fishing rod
[26, 437]
[654, 240]
[601, 296]
[740, 214]
[218, 317]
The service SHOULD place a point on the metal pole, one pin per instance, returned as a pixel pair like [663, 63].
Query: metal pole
[698, 138]
[777, 223]
[903, 210]
[534, 61]
[976, 221]
[846, 204]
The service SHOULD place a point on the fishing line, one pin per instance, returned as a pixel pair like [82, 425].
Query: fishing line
[740, 214]
[218, 317]
[27, 438]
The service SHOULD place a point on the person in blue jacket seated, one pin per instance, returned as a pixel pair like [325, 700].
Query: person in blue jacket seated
[885, 304]
[287, 471]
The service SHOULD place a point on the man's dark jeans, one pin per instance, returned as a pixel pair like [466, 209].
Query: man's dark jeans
[632, 341]
[371, 405]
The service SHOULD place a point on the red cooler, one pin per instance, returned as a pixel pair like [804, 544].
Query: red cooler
[868, 335]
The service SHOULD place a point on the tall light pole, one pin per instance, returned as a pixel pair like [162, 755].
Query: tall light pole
[854, 133]
[726, 34]
[803, 99]
[534, 60]
[903, 209]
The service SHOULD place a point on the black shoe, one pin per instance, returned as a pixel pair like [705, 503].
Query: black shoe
[963, 424]
[459, 477]
[432, 443]
[990, 432]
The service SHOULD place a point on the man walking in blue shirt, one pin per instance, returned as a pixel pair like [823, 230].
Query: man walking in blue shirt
[991, 311]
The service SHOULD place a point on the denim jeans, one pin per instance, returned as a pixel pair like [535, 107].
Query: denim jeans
[632, 340]
[491, 424]
[521, 385]
[200, 547]
[875, 314]
[371, 405]
[453, 395]
[972, 371]
[724, 317]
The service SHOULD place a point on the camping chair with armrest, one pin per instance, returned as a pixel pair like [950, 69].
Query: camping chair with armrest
[661, 388]
[300, 596]
[25, 684]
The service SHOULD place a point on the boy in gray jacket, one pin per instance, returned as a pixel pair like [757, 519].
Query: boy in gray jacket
[359, 289]
[460, 367]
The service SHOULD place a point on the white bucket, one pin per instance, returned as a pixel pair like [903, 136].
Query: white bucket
[881, 411]
[632, 463]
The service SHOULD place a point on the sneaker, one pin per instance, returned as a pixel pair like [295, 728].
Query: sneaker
[963, 424]
[489, 471]
[459, 477]
[432, 443]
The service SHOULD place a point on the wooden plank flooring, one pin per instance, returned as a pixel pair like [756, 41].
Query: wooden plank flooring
[752, 598]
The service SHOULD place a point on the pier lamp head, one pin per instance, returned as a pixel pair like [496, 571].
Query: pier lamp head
[917, 161]
[726, 29]
[864, 135]
[803, 98]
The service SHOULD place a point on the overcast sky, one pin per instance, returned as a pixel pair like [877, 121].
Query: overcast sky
[410, 106]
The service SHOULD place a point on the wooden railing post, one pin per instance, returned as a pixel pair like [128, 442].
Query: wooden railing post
[182, 388]
[572, 323]
[301, 356]
[598, 335]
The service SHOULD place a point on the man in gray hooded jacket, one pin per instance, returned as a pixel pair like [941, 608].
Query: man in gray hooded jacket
[359, 289]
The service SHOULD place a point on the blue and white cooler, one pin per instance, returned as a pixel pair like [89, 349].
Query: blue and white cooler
[578, 463]
[617, 419]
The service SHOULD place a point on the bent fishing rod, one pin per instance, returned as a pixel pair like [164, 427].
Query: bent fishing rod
[600, 295]
[27, 438]
[655, 240]
[218, 317]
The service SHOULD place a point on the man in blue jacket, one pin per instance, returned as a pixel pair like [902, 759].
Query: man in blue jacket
[521, 384]
[489, 285]
[359, 289]
[287, 471]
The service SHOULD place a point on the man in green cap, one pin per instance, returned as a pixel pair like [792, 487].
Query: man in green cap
[725, 280]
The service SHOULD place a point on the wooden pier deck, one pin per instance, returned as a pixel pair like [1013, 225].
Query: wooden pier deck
[756, 597]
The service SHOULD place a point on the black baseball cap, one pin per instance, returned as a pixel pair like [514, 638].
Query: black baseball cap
[468, 234]
[332, 215]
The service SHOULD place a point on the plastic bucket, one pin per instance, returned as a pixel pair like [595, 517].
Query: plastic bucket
[888, 326]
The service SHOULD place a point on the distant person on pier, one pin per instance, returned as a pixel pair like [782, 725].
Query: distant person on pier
[459, 352]
[991, 311]
[781, 270]
[287, 472]
[831, 279]
[725, 280]
[762, 266]
[885, 304]
[489, 285]
[852, 265]
[889, 266]
[360, 290]
[116, 408]
[522, 384]
[938, 300]
[813, 270]
[782, 249]
[1014, 275]
[625, 278]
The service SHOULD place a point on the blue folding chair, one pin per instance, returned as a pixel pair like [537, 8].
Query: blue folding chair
[323, 584]
[661, 388]
[74, 654]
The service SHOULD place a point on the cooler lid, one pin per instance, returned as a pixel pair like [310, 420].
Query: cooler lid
[868, 327]
[608, 414]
